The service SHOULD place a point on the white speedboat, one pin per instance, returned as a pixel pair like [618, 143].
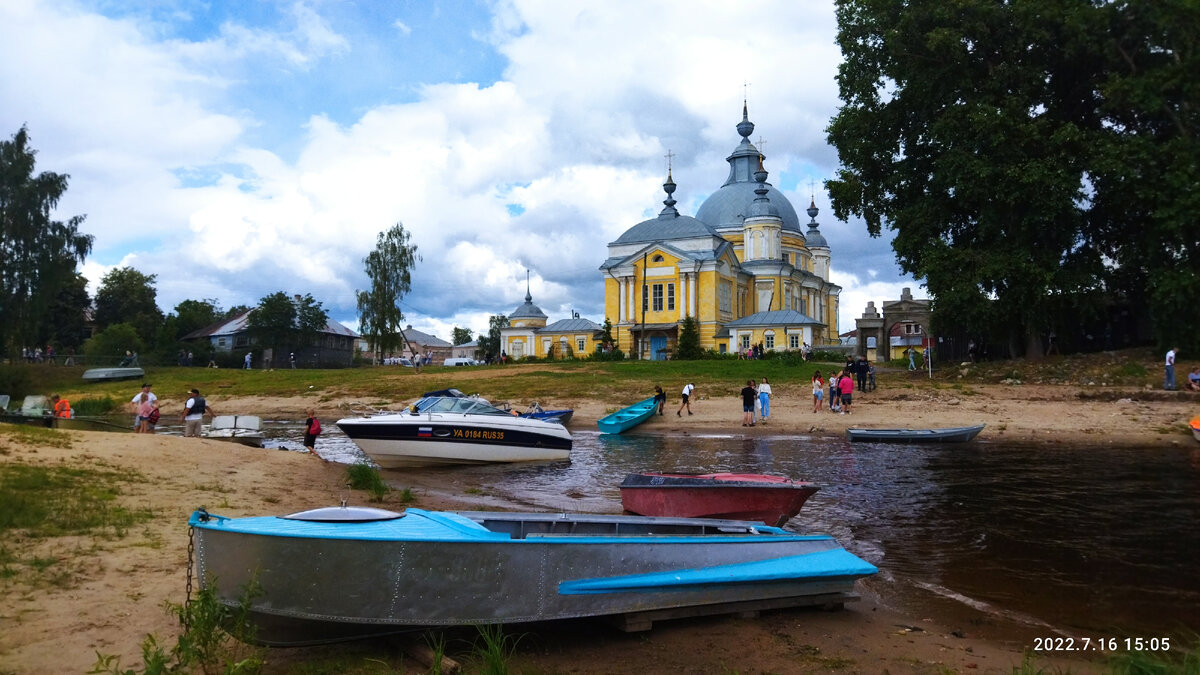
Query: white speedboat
[244, 429]
[453, 430]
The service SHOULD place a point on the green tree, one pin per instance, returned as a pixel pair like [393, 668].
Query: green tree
[66, 322]
[1145, 199]
[491, 343]
[38, 255]
[191, 315]
[389, 267]
[606, 337]
[108, 346]
[236, 310]
[461, 336]
[284, 323]
[128, 296]
[688, 347]
[967, 129]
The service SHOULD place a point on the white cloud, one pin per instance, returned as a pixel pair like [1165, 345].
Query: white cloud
[538, 171]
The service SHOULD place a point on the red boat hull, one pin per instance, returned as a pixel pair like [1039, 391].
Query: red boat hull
[771, 499]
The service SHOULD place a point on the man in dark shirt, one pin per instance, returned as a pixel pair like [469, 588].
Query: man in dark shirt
[748, 396]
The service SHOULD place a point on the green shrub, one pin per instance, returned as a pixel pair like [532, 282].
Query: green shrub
[94, 406]
[16, 380]
[363, 476]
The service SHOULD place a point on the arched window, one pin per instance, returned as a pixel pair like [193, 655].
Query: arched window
[657, 258]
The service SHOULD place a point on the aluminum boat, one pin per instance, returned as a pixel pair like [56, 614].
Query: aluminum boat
[339, 573]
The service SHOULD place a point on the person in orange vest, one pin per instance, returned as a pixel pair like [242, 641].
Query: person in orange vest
[62, 407]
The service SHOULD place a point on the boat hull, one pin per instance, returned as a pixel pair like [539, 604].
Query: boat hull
[66, 423]
[400, 441]
[628, 417]
[773, 500]
[112, 374]
[1195, 425]
[446, 569]
[945, 435]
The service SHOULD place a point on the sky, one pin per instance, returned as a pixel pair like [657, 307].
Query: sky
[236, 149]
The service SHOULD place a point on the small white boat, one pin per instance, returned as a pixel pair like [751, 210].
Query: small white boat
[244, 429]
[112, 374]
[454, 430]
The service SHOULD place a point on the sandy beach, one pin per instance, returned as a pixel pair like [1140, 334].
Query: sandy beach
[114, 589]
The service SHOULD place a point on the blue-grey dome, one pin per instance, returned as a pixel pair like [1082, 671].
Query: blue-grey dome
[814, 237]
[730, 204]
[668, 225]
[527, 310]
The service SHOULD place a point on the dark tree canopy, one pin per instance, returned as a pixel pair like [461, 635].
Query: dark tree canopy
[283, 322]
[66, 323]
[191, 315]
[389, 267]
[1030, 156]
[38, 255]
[461, 336]
[688, 347]
[491, 344]
[128, 296]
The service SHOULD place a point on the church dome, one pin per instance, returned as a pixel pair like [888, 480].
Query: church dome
[731, 203]
[669, 224]
[527, 310]
[813, 238]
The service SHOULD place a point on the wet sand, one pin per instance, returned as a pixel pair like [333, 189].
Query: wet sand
[111, 591]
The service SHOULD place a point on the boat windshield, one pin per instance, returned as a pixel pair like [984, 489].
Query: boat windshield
[447, 404]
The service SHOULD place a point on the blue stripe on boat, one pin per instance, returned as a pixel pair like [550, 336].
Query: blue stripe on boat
[822, 564]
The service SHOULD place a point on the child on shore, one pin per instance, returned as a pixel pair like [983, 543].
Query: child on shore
[818, 390]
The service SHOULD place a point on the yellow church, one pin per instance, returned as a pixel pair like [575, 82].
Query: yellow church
[742, 267]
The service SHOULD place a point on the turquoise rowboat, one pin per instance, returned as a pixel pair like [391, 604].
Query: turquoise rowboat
[627, 418]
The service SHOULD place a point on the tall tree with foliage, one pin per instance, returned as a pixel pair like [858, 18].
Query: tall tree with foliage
[389, 267]
[1145, 199]
[967, 129]
[460, 336]
[283, 323]
[66, 324]
[128, 296]
[491, 344]
[606, 334]
[38, 255]
[688, 347]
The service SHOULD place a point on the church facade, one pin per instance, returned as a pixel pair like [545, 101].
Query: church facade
[742, 267]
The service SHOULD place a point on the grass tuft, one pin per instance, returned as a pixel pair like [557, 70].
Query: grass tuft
[363, 476]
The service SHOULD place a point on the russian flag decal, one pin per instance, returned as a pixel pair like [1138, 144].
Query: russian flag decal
[424, 432]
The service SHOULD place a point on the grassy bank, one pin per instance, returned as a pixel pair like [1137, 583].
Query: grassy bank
[560, 381]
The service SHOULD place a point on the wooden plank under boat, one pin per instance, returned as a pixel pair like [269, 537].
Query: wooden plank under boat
[943, 435]
[773, 500]
[628, 417]
[341, 573]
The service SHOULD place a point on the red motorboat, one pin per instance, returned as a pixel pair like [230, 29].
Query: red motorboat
[737, 496]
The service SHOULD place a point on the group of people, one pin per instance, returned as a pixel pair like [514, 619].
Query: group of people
[756, 396]
[841, 386]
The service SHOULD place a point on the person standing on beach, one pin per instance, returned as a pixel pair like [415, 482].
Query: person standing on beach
[687, 403]
[193, 413]
[818, 390]
[247, 360]
[764, 399]
[748, 395]
[660, 399]
[145, 408]
[312, 429]
[834, 392]
[1169, 385]
[137, 399]
[846, 384]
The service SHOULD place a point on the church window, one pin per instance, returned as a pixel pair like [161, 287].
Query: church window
[746, 341]
[580, 345]
[546, 347]
[671, 297]
[769, 340]
[658, 298]
[793, 341]
[912, 329]
[657, 258]
[725, 296]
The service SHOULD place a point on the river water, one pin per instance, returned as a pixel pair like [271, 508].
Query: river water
[1027, 540]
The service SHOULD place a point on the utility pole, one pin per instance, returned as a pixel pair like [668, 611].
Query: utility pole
[645, 301]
